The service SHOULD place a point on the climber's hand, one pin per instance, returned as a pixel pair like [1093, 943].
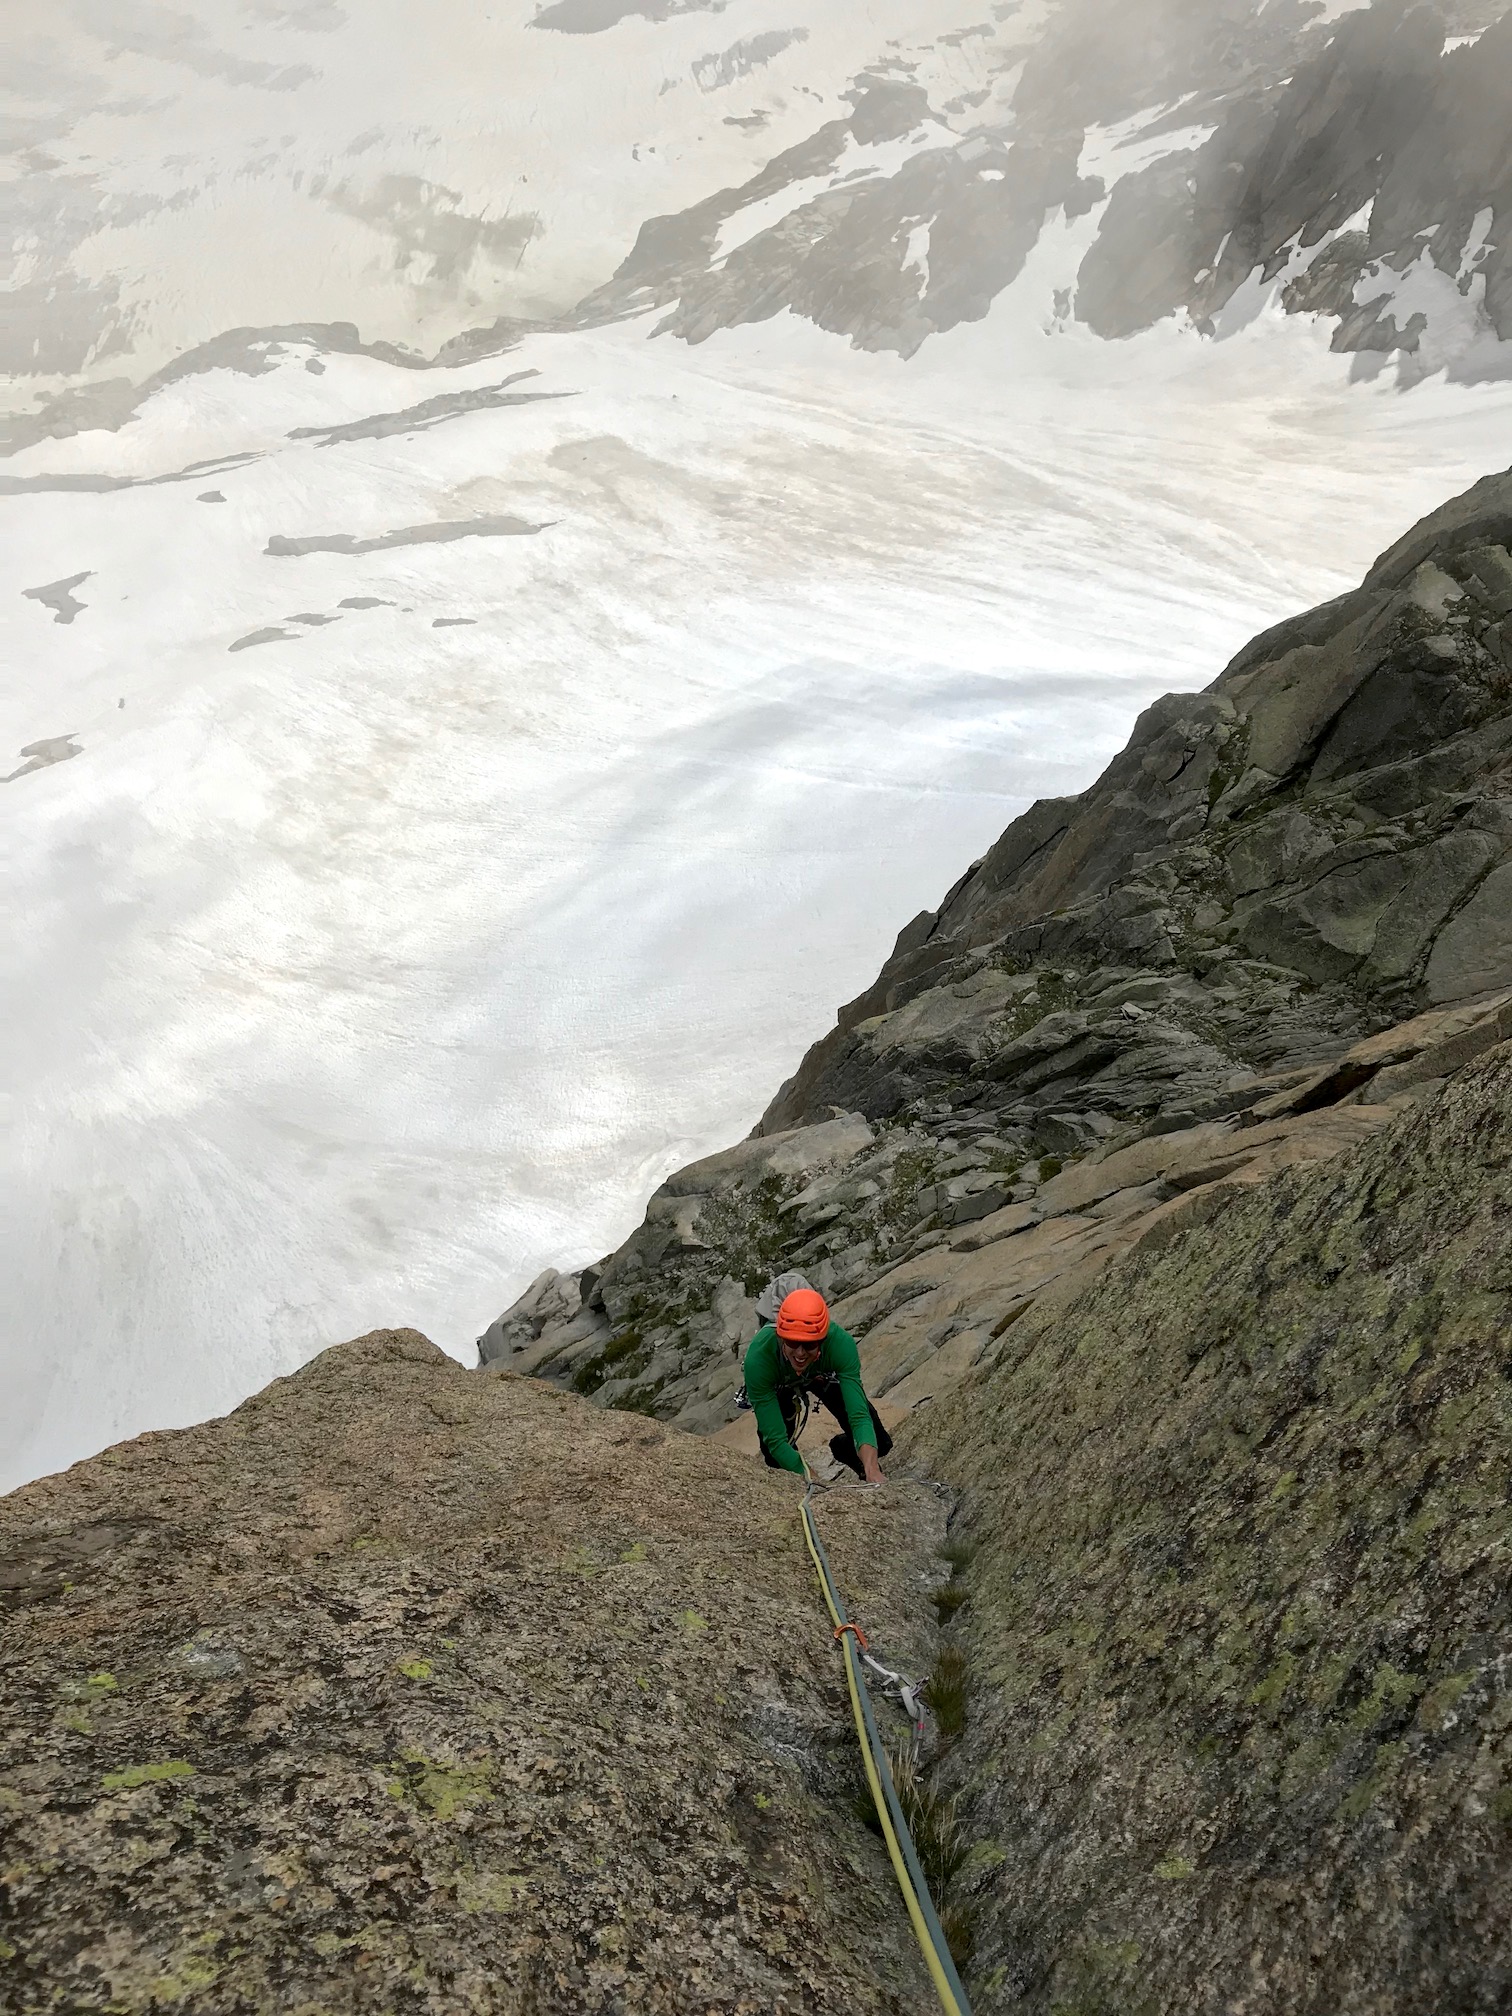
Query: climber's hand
[869, 1464]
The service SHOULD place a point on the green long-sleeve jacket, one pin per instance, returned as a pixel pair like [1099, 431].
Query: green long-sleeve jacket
[767, 1372]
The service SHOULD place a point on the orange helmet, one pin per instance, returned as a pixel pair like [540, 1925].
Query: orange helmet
[804, 1317]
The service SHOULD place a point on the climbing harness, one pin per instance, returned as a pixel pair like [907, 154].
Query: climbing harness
[804, 1409]
[900, 1846]
[744, 1405]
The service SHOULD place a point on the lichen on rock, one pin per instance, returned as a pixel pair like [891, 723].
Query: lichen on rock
[1239, 1626]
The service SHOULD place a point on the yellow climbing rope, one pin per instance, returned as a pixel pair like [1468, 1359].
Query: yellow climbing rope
[900, 1847]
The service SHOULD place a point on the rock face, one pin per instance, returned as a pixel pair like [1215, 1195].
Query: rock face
[1168, 1162]
[1238, 1620]
[404, 1690]
[1188, 976]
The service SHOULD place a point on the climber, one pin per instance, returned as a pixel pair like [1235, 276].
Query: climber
[804, 1354]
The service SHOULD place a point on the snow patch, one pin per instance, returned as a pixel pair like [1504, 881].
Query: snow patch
[1475, 245]
[916, 256]
[1111, 152]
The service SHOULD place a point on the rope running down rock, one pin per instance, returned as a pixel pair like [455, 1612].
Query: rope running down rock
[900, 1846]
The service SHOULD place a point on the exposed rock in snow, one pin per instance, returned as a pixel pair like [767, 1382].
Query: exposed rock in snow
[59, 596]
[281, 547]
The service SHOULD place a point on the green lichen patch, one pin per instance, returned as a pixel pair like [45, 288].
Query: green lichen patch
[491, 1890]
[1101, 1977]
[1437, 1706]
[193, 1971]
[1175, 1869]
[95, 1688]
[133, 1775]
[1271, 1691]
[1390, 1694]
[438, 1789]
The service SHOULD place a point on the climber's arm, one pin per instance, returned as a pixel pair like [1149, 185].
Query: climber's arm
[761, 1391]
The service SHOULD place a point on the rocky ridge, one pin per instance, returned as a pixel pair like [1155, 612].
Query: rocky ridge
[1283, 911]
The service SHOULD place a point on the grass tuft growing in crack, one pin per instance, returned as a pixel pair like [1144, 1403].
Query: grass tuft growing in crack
[949, 1598]
[946, 1692]
[953, 1595]
[938, 1839]
[932, 1821]
[941, 1845]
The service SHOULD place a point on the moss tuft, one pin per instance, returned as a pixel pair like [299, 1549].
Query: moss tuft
[946, 1692]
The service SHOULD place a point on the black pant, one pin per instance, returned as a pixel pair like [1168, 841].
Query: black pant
[843, 1446]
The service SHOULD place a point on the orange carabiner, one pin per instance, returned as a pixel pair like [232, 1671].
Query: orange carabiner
[855, 1629]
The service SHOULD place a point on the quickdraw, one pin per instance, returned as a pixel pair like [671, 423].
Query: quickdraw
[909, 1694]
